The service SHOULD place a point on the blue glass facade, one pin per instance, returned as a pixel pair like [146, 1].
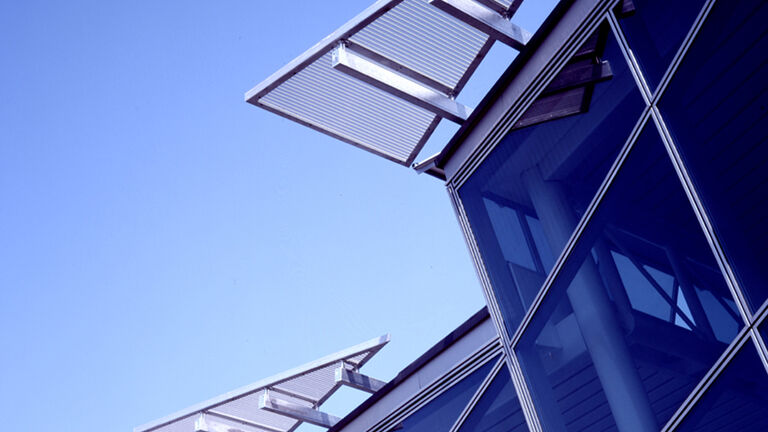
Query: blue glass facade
[576, 150]
[641, 319]
[715, 108]
[624, 242]
[444, 410]
[498, 410]
[738, 401]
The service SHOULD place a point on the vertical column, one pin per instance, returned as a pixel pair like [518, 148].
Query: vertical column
[607, 268]
[593, 311]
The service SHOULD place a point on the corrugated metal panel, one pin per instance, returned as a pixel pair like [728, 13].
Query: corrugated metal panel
[307, 386]
[425, 39]
[350, 109]
[411, 35]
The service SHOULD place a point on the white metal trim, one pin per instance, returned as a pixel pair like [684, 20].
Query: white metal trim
[486, 20]
[326, 44]
[371, 346]
[398, 85]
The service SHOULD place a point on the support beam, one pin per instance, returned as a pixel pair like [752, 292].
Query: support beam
[387, 62]
[295, 395]
[486, 20]
[497, 7]
[296, 411]
[357, 380]
[398, 85]
[204, 425]
[225, 416]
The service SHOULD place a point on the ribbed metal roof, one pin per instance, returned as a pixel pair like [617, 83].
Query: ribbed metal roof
[412, 38]
[307, 386]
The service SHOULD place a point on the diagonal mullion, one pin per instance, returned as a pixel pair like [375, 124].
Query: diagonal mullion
[478, 395]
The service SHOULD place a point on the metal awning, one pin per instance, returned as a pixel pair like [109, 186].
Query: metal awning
[383, 81]
[280, 403]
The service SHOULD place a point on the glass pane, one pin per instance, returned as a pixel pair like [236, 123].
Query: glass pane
[715, 108]
[442, 412]
[576, 151]
[624, 336]
[498, 410]
[655, 31]
[737, 401]
[508, 229]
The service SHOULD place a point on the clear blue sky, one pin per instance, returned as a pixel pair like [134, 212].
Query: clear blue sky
[162, 241]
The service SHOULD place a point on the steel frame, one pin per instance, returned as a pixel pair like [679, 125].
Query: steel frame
[210, 406]
[477, 396]
[326, 44]
[751, 321]
[357, 380]
[485, 19]
[343, 34]
[398, 85]
[296, 411]
[489, 16]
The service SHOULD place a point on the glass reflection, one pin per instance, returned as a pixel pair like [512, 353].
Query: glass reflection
[577, 150]
[498, 410]
[655, 29]
[715, 107]
[442, 412]
[640, 311]
[737, 400]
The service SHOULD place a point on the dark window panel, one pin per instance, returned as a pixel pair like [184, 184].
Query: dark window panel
[498, 410]
[442, 412]
[737, 400]
[655, 29]
[716, 110]
[625, 334]
[576, 151]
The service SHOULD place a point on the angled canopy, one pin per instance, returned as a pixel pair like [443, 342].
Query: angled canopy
[303, 389]
[384, 80]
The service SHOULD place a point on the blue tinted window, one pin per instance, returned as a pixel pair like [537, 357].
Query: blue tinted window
[508, 229]
[498, 410]
[623, 336]
[737, 400]
[442, 412]
[715, 107]
[575, 151]
[655, 31]
[544, 252]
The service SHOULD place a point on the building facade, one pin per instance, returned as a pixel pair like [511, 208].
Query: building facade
[612, 188]
[616, 220]
[620, 248]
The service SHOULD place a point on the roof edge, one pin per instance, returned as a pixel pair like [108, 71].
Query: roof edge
[462, 330]
[374, 345]
[503, 82]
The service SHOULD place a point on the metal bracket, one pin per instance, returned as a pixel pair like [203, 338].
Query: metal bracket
[486, 20]
[385, 79]
[203, 425]
[296, 411]
[357, 380]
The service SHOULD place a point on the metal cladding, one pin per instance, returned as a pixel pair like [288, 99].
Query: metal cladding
[412, 48]
[302, 389]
